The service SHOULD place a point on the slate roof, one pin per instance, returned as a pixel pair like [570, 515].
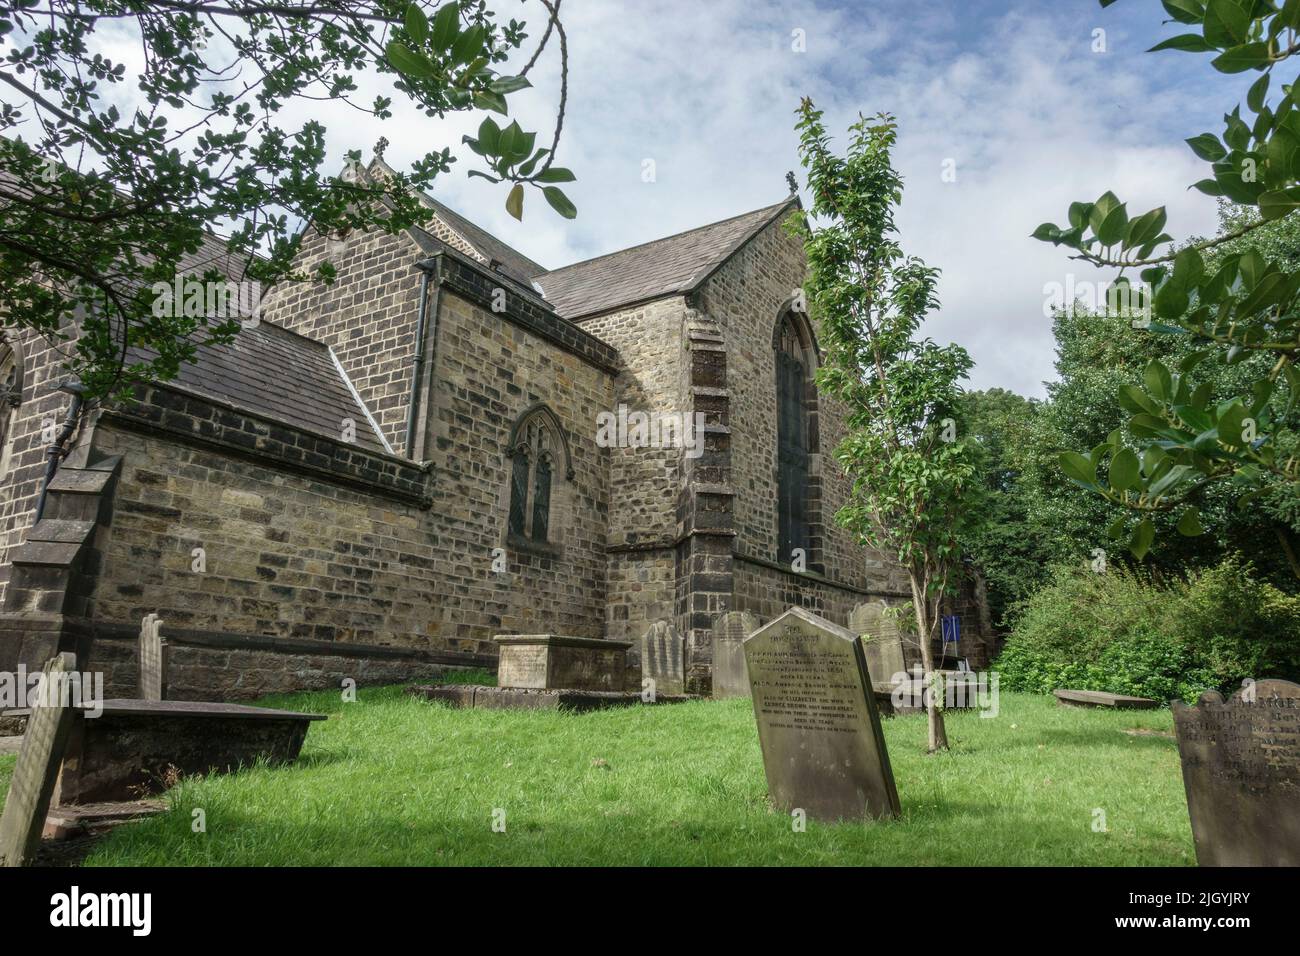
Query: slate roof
[269, 370]
[281, 375]
[674, 265]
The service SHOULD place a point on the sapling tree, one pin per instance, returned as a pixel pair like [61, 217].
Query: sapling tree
[113, 176]
[903, 449]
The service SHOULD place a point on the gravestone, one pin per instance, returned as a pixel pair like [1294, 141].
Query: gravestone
[1241, 771]
[663, 659]
[729, 632]
[818, 726]
[881, 640]
[37, 771]
[153, 656]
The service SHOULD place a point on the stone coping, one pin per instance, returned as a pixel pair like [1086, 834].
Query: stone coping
[561, 640]
[128, 707]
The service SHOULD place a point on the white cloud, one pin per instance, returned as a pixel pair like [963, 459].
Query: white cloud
[1032, 117]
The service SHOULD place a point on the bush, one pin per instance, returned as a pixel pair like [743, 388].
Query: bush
[1127, 633]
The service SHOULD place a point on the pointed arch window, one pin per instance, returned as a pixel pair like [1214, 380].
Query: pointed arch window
[537, 446]
[798, 484]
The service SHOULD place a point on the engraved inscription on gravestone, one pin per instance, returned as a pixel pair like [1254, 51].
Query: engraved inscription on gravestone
[729, 633]
[818, 726]
[32, 785]
[1241, 771]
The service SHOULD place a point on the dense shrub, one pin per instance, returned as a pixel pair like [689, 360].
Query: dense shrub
[1124, 632]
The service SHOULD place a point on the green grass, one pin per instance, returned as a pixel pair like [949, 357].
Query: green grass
[392, 780]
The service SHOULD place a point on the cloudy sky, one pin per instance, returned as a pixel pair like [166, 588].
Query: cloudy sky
[1015, 94]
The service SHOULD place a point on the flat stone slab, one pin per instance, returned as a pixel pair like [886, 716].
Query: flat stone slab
[136, 747]
[466, 696]
[10, 745]
[558, 662]
[1101, 698]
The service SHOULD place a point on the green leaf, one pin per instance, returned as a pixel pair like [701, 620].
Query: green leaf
[1146, 227]
[1185, 11]
[487, 100]
[1171, 300]
[1239, 59]
[468, 45]
[506, 85]
[527, 168]
[1116, 528]
[1187, 42]
[1189, 525]
[1158, 381]
[1143, 535]
[515, 202]
[560, 202]
[1207, 147]
[1227, 22]
[446, 24]
[1258, 93]
[1133, 399]
[1113, 227]
[1188, 268]
[1279, 202]
[1078, 468]
[489, 136]
[417, 24]
[556, 174]
[409, 63]
[1125, 471]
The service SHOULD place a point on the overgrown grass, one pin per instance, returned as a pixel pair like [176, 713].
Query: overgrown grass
[392, 780]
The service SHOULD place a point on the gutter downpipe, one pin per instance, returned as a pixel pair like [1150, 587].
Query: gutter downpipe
[54, 454]
[424, 325]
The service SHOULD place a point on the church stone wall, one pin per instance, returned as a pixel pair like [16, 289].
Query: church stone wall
[745, 297]
[486, 373]
[368, 316]
[644, 482]
[357, 556]
[23, 458]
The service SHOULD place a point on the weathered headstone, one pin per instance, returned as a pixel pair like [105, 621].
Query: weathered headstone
[558, 662]
[32, 785]
[881, 640]
[1241, 771]
[729, 633]
[153, 659]
[663, 659]
[818, 726]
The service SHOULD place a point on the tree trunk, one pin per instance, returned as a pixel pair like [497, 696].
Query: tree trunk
[938, 735]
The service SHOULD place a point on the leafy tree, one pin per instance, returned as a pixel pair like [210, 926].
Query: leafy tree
[909, 467]
[1009, 546]
[1229, 306]
[98, 203]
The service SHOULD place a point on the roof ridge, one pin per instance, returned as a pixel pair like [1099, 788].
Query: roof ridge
[675, 235]
[439, 208]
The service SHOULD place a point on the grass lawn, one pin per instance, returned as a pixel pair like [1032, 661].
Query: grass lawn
[392, 780]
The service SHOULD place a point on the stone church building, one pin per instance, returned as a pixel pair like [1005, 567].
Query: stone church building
[384, 473]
